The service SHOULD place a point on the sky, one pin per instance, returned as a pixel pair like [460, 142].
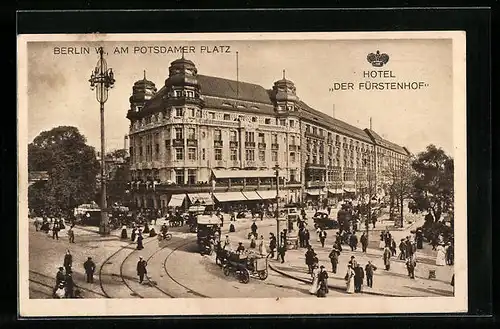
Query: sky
[59, 92]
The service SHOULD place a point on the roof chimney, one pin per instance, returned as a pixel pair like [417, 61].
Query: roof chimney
[371, 123]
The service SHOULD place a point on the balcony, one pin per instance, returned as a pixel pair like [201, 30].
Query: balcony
[250, 164]
[262, 146]
[233, 145]
[315, 166]
[250, 144]
[192, 142]
[218, 144]
[220, 163]
[178, 142]
[314, 135]
[275, 146]
[315, 184]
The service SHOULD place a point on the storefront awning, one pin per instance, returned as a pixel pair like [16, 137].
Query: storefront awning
[252, 195]
[229, 196]
[349, 189]
[176, 200]
[315, 192]
[266, 195]
[223, 173]
[204, 198]
[336, 191]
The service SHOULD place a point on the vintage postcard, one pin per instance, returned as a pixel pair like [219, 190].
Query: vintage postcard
[240, 174]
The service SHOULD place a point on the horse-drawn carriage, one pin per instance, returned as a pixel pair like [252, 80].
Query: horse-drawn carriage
[243, 265]
[207, 231]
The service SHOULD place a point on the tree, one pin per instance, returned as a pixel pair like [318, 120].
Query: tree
[400, 178]
[71, 165]
[118, 177]
[433, 186]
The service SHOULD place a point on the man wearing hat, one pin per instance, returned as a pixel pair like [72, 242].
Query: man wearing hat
[141, 269]
[334, 258]
[240, 248]
[89, 267]
[70, 285]
[59, 279]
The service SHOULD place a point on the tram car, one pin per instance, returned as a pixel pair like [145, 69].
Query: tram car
[207, 226]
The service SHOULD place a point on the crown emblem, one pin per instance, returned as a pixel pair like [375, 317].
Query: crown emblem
[377, 59]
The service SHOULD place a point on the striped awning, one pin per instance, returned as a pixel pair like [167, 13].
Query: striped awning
[336, 191]
[176, 200]
[203, 198]
[315, 192]
[223, 173]
[268, 194]
[252, 195]
[349, 189]
[229, 196]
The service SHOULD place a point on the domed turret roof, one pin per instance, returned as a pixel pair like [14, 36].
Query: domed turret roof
[284, 81]
[182, 61]
[144, 82]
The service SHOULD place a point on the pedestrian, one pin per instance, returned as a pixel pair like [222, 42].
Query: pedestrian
[152, 232]
[334, 259]
[282, 252]
[382, 240]
[369, 269]
[387, 258]
[322, 237]
[254, 229]
[393, 247]
[272, 244]
[318, 230]
[307, 236]
[68, 261]
[301, 237]
[89, 267]
[71, 234]
[231, 228]
[36, 224]
[139, 241]
[441, 255]
[364, 241]
[411, 263]
[309, 255]
[252, 242]
[227, 243]
[55, 230]
[322, 282]
[353, 262]
[124, 234]
[133, 234]
[70, 285]
[449, 254]
[141, 269]
[146, 228]
[261, 245]
[349, 278]
[59, 280]
[315, 279]
[452, 283]
[359, 276]
[353, 242]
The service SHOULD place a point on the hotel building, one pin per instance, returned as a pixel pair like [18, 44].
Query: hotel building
[207, 138]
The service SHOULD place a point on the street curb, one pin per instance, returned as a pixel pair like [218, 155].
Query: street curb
[338, 288]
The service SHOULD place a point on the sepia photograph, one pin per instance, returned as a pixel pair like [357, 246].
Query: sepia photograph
[242, 173]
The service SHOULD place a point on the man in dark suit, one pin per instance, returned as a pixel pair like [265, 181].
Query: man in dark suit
[141, 269]
[359, 275]
[334, 258]
[89, 267]
[68, 261]
[369, 269]
[364, 242]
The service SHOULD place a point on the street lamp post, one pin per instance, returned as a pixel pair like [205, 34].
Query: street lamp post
[102, 79]
[277, 168]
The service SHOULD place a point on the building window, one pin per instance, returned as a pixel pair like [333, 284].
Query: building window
[254, 119]
[191, 154]
[179, 177]
[293, 175]
[179, 154]
[292, 123]
[249, 137]
[218, 154]
[262, 155]
[157, 151]
[308, 128]
[191, 133]
[179, 112]
[211, 115]
[217, 135]
[140, 153]
[233, 137]
[315, 159]
[267, 121]
[178, 133]
[274, 156]
[227, 117]
[315, 130]
[292, 156]
[234, 154]
[250, 155]
[282, 122]
[261, 138]
[191, 176]
[198, 113]
[203, 154]
[292, 140]
[274, 138]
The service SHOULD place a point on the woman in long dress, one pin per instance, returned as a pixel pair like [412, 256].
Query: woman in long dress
[124, 234]
[315, 282]
[350, 280]
[381, 245]
[262, 251]
[441, 256]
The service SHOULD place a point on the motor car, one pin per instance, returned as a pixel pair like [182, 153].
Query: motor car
[323, 220]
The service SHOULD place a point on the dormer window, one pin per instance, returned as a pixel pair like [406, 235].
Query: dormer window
[179, 112]
[177, 93]
[138, 108]
[268, 121]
